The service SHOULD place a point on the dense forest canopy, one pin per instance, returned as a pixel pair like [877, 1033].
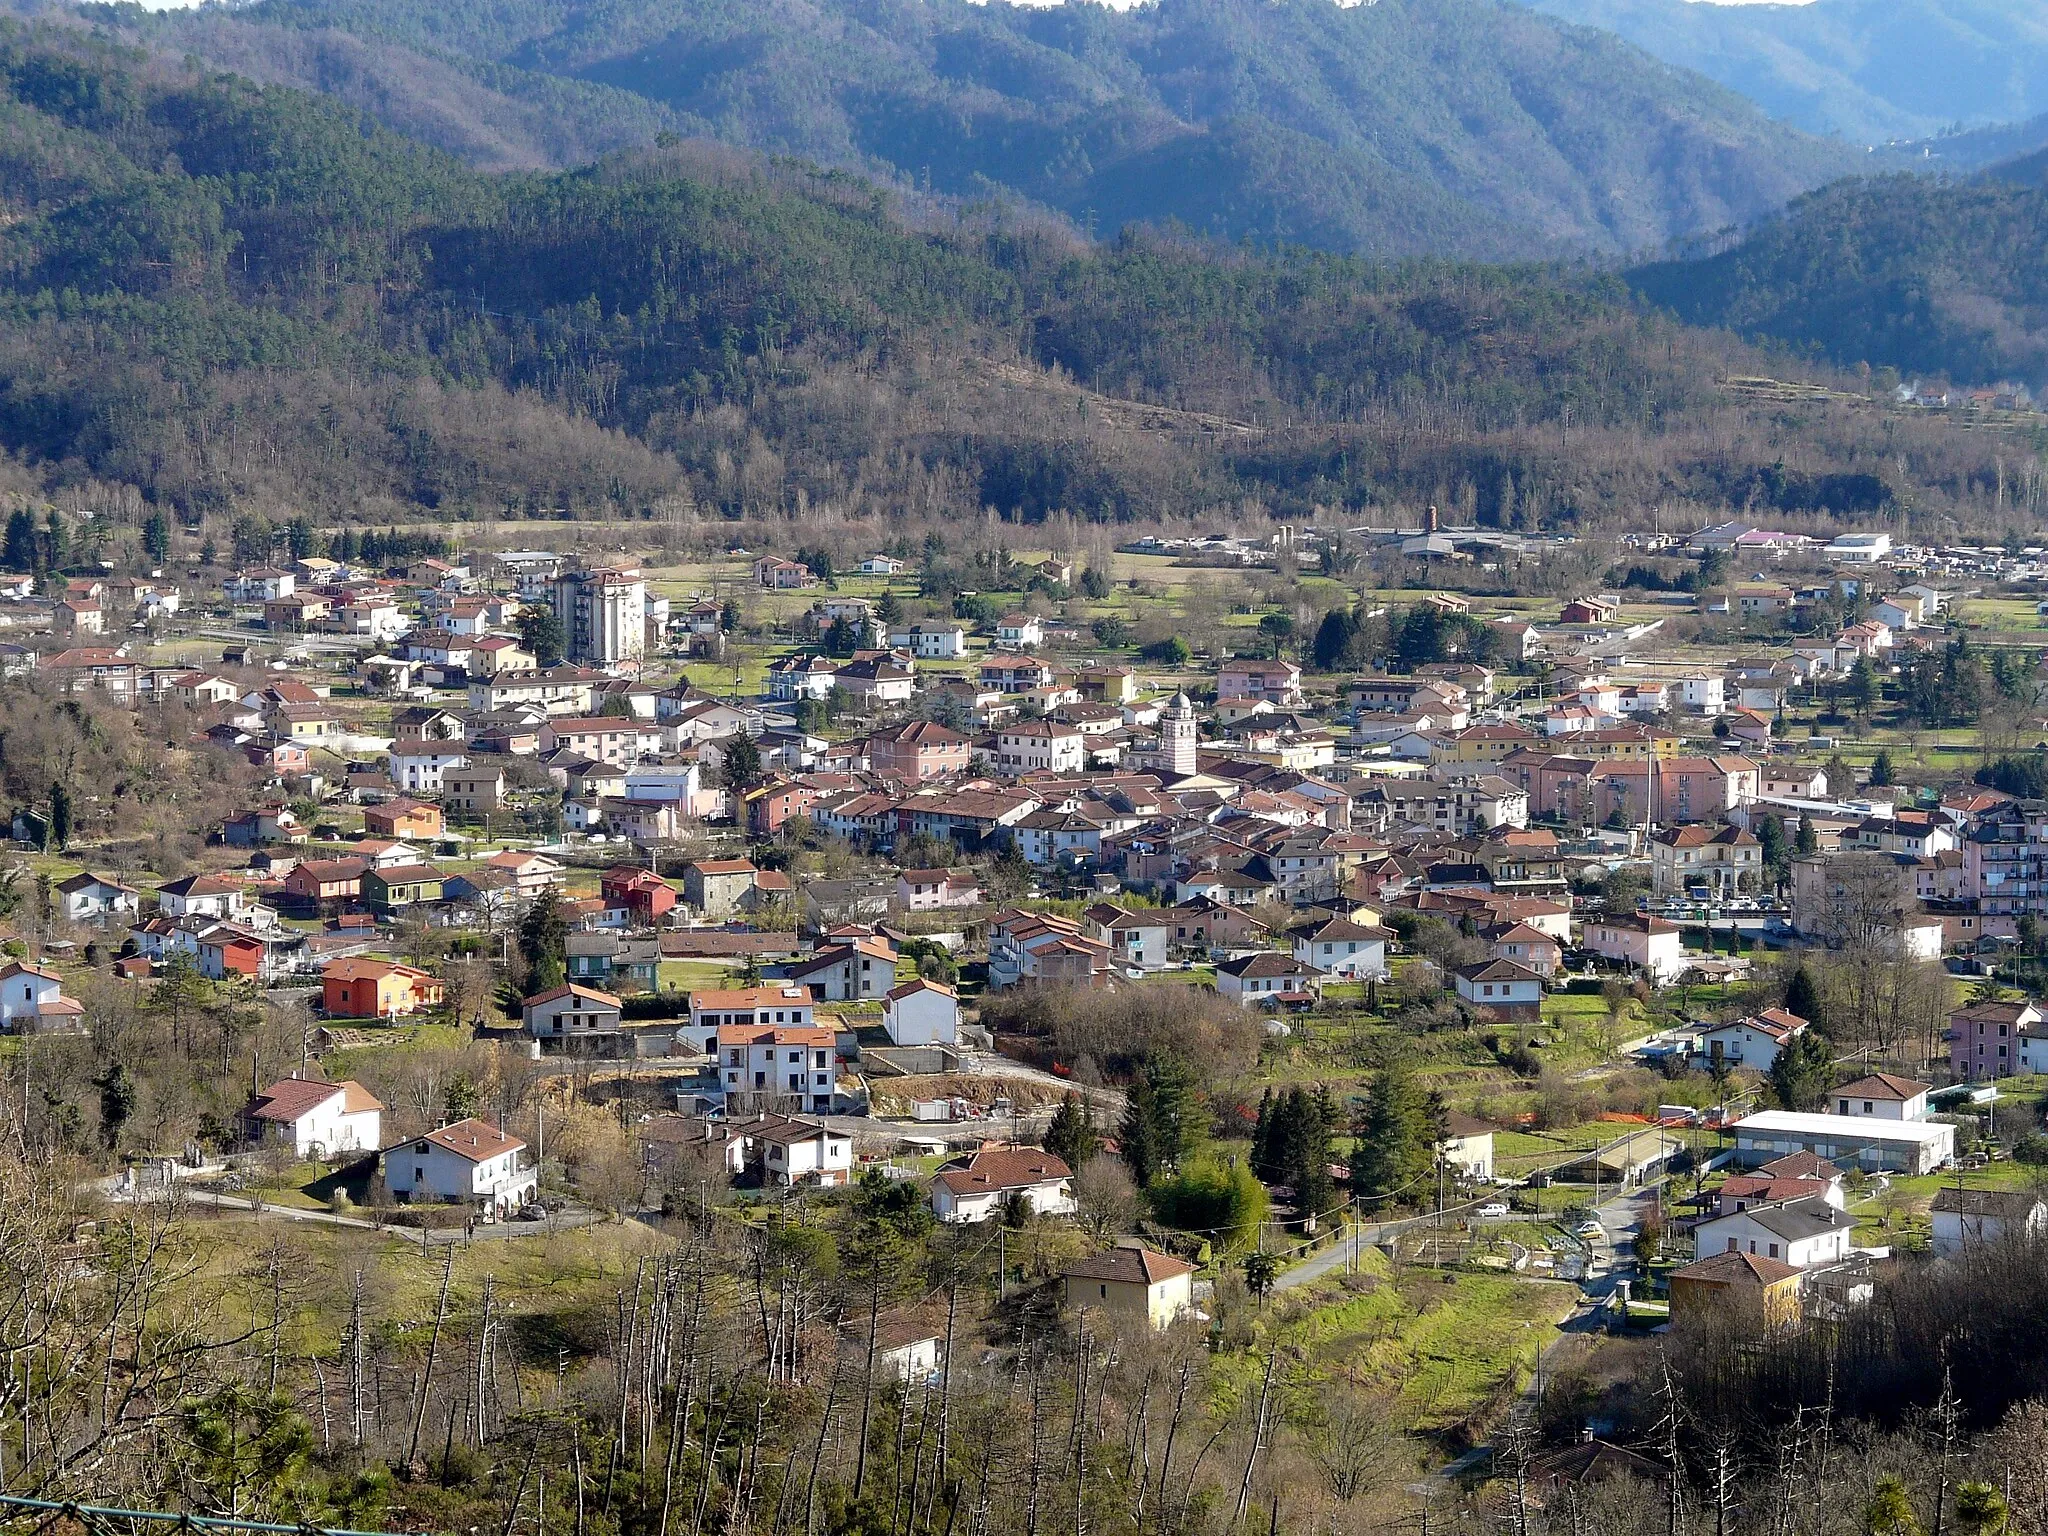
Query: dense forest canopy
[1925, 276]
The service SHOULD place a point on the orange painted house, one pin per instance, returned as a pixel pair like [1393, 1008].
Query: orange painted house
[360, 988]
[403, 818]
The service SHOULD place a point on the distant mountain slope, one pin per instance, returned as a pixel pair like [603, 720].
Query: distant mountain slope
[1467, 127]
[1868, 70]
[1928, 277]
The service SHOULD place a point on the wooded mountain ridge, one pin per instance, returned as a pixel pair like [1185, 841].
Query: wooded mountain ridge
[216, 296]
[1929, 277]
[1409, 127]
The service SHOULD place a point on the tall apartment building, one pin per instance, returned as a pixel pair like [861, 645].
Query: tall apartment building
[2005, 864]
[603, 614]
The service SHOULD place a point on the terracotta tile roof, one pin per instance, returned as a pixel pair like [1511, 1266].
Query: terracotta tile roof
[1004, 1168]
[474, 1141]
[1147, 1266]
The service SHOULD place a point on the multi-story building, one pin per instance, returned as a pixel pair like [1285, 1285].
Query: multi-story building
[603, 614]
[1040, 746]
[2005, 864]
[775, 1068]
[1723, 860]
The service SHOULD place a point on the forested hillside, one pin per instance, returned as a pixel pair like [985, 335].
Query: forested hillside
[1869, 70]
[1445, 127]
[1927, 277]
[215, 296]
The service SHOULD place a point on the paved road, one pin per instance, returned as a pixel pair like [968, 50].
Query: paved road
[427, 1237]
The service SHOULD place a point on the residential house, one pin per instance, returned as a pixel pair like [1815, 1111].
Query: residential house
[1985, 1040]
[87, 897]
[1467, 1146]
[1040, 746]
[718, 887]
[1524, 945]
[1019, 632]
[861, 970]
[922, 1012]
[32, 1001]
[1651, 945]
[315, 1119]
[573, 1017]
[417, 767]
[922, 749]
[776, 1067]
[468, 1163]
[1268, 979]
[778, 574]
[1151, 1289]
[475, 789]
[389, 890]
[1752, 1042]
[1720, 861]
[1501, 989]
[602, 738]
[1975, 1218]
[1137, 938]
[931, 641]
[995, 1176]
[642, 897]
[1341, 947]
[1277, 683]
[1803, 1233]
[361, 987]
[749, 1007]
[931, 890]
[322, 887]
[792, 1151]
[200, 896]
[403, 818]
[1747, 1287]
[1882, 1096]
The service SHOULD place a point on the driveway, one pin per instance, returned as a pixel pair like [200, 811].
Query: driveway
[426, 1237]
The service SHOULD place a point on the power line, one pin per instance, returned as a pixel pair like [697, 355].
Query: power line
[86, 1513]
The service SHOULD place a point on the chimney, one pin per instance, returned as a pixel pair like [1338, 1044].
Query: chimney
[1429, 520]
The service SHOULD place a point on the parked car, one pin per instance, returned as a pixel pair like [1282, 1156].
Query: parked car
[1590, 1229]
[1493, 1208]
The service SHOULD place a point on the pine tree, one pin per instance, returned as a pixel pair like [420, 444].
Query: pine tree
[1071, 1137]
[543, 940]
[1806, 840]
[1802, 997]
[1803, 1071]
[22, 551]
[1136, 1138]
[60, 816]
[1176, 1110]
[156, 538]
[1393, 1146]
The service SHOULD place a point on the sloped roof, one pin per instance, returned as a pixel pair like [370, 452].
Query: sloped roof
[1737, 1269]
[473, 1140]
[1133, 1266]
[994, 1169]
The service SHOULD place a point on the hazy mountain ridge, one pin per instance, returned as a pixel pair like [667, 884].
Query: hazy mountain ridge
[1871, 71]
[1465, 127]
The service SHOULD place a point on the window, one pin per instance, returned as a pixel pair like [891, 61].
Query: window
[1774, 1250]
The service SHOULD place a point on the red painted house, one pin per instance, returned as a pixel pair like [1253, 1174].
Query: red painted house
[644, 896]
